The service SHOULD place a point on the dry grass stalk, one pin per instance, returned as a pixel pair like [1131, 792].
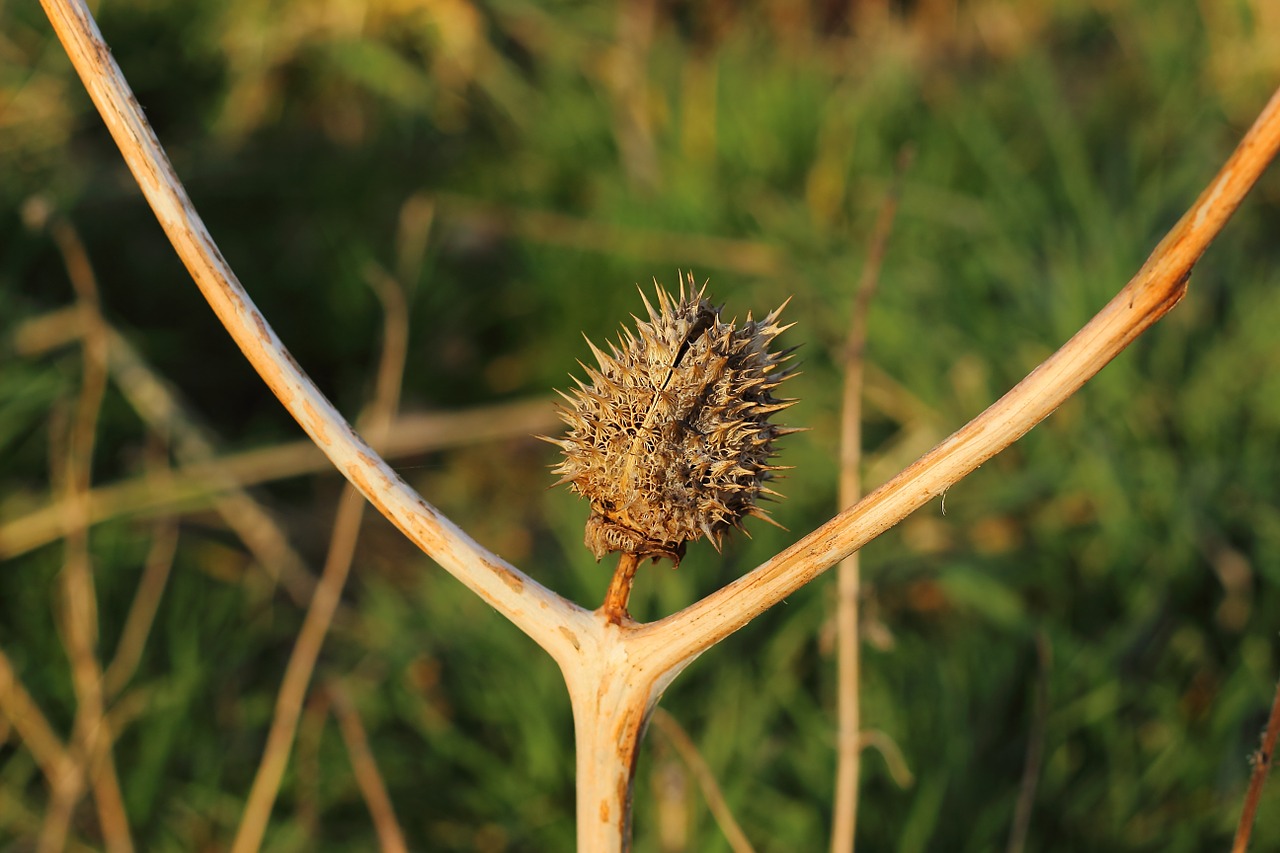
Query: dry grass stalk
[89, 757]
[21, 711]
[889, 750]
[746, 257]
[688, 752]
[413, 233]
[91, 739]
[1021, 823]
[142, 612]
[307, 768]
[616, 673]
[844, 822]
[163, 410]
[197, 485]
[628, 82]
[390, 836]
[324, 603]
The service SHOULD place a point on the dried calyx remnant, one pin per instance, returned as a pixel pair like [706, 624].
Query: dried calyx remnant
[670, 438]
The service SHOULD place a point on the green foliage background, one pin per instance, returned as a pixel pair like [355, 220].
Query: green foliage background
[1135, 535]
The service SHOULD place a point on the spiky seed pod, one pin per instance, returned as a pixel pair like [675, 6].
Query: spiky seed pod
[670, 437]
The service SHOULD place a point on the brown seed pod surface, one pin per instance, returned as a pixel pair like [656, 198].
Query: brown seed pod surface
[670, 437]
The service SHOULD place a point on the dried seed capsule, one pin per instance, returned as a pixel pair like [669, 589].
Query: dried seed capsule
[670, 437]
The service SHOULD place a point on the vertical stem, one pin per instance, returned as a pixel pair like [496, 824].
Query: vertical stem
[297, 675]
[1035, 749]
[615, 600]
[91, 735]
[848, 744]
[607, 745]
[612, 694]
[629, 82]
[849, 578]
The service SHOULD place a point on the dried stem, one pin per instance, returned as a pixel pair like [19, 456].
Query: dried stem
[612, 690]
[22, 822]
[615, 673]
[199, 484]
[700, 251]
[1035, 749]
[395, 349]
[142, 613]
[324, 603]
[91, 735]
[163, 409]
[688, 752]
[848, 582]
[1262, 760]
[413, 232]
[307, 769]
[619, 592]
[1148, 296]
[390, 837]
[628, 80]
[548, 618]
[17, 706]
[890, 752]
[297, 676]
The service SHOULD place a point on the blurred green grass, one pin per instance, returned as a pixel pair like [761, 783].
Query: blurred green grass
[1137, 531]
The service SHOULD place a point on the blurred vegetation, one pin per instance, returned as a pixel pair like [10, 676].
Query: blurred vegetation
[520, 166]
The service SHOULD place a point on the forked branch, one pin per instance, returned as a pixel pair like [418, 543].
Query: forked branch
[616, 671]
[550, 619]
[1148, 296]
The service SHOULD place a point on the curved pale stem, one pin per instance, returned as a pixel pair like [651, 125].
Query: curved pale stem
[546, 617]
